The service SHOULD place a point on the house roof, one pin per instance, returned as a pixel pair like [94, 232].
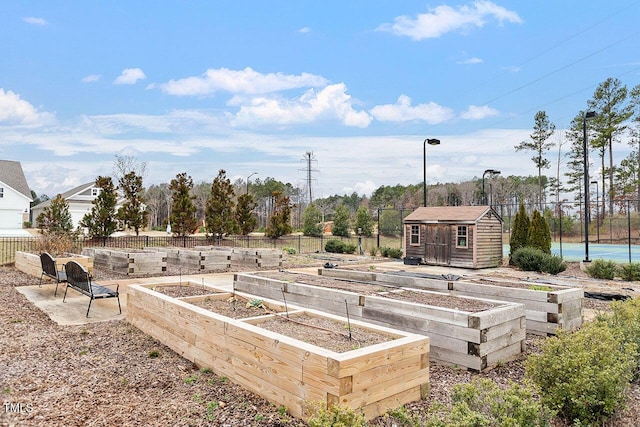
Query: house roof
[12, 175]
[67, 194]
[448, 213]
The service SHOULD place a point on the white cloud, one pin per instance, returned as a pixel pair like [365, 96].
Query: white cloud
[471, 61]
[475, 112]
[91, 78]
[35, 21]
[328, 103]
[402, 111]
[304, 30]
[247, 81]
[444, 19]
[511, 68]
[16, 111]
[130, 76]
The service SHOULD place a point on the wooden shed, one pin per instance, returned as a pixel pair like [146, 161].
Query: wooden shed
[456, 236]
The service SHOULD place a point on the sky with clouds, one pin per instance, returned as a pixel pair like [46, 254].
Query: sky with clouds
[252, 86]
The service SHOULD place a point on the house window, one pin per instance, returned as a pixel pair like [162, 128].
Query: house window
[1, 192]
[461, 238]
[95, 192]
[415, 234]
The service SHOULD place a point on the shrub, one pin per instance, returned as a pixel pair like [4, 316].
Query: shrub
[583, 375]
[483, 403]
[373, 251]
[539, 235]
[629, 272]
[336, 416]
[55, 244]
[528, 259]
[553, 264]
[625, 317]
[289, 250]
[349, 248]
[334, 246]
[395, 253]
[391, 252]
[519, 232]
[601, 269]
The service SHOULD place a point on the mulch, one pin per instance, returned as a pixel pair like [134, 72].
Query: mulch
[110, 373]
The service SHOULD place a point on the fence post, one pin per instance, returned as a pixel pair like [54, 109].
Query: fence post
[629, 227]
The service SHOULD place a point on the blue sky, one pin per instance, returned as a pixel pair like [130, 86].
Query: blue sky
[251, 86]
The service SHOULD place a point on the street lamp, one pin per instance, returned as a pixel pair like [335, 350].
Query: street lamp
[587, 115]
[597, 210]
[493, 172]
[430, 141]
[255, 173]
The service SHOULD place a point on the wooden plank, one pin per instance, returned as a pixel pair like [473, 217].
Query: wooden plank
[494, 316]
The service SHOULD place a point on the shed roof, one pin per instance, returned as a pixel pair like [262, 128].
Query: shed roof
[449, 213]
[12, 175]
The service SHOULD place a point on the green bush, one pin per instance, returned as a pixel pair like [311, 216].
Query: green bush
[601, 269]
[334, 246]
[625, 317]
[336, 416]
[629, 272]
[391, 252]
[349, 248]
[395, 253]
[553, 264]
[583, 376]
[289, 250]
[483, 403]
[534, 259]
[528, 259]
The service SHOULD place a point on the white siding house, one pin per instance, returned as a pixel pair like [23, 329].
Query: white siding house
[15, 196]
[80, 201]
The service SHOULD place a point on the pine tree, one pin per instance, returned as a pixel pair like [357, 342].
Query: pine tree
[279, 223]
[542, 131]
[183, 210]
[101, 221]
[520, 232]
[539, 235]
[364, 221]
[245, 218]
[55, 218]
[341, 222]
[132, 213]
[219, 212]
[311, 220]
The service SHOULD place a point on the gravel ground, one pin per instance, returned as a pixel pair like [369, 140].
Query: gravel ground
[111, 373]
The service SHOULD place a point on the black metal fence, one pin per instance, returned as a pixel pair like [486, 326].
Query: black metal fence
[567, 221]
[295, 243]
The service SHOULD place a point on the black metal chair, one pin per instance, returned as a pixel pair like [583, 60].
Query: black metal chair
[79, 279]
[50, 270]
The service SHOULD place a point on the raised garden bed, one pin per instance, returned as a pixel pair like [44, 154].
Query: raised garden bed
[29, 262]
[548, 308]
[203, 258]
[131, 262]
[469, 332]
[235, 306]
[285, 370]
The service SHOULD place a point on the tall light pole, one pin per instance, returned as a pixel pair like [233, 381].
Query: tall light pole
[430, 141]
[493, 172]
[255, 173]
[587, 115]
[597, 211]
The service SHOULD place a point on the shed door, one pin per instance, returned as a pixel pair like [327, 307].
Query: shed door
[438, 244]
